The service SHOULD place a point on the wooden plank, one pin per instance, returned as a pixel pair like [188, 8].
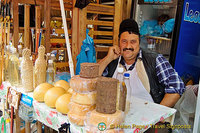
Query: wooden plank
[100, 9]
[58, 49]
[62, 64]
[15, 22]
[58, 8]
[102, 41]
[27, 127]
[60, 18]
[17, 122]
[57, 4]
[27, 26]
[102, 49]
[96, 22]
[106, 33]
[39, 127]
[31, 2]
[59, 40]
[82, 25]
[61, 31]
[117, 20]
[47, 19]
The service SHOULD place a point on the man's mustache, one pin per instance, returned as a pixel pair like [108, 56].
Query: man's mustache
[124, 49]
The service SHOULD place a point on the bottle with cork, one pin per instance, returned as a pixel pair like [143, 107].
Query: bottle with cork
[50, 72]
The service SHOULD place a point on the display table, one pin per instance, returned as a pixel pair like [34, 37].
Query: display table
[142, 114]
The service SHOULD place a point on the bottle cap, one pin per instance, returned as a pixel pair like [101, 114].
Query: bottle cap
[19, 46]
[50, 61]
[48, 54]
[120, 69]
[52, 55]
[126, 75]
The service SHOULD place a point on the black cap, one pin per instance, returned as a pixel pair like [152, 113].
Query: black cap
[129, 25]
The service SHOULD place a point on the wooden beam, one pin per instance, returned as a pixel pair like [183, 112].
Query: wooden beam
[27, 127]
[106, 33]
[37, 24]
[117, 20]
[39, 127]
[31, 2]
[27, 26]
[100, 9]
[47, 19]
[15, 23]
[61, 31]
[102, 41]
[17, 122]
[96, 22]
[58, 40]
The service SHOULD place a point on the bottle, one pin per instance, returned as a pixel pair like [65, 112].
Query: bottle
[50, 72]
[20, 50]
[20, 79]
[6, 59]
[48, 56]
[14, 68]
[53, 57]
[40, 67]
[128, 86]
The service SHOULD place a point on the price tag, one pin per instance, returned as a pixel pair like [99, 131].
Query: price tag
[13, 97]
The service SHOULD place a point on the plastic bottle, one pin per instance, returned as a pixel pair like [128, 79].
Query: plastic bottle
[6, 59]
[20, 50]
[14, 71]
[128, 86]
[20, 79]
[48, 56]
[53, 57]
[50, 72]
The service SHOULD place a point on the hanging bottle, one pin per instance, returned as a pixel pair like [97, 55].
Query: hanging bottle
[40, 67]
[27, 71]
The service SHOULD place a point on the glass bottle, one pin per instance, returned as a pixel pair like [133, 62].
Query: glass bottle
[50, 72]
[14, 71]
[20, 79]
[128, 86]
[53, 57]
[20, 50]
[6, 59]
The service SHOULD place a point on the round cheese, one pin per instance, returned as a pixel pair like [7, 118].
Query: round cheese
[62, 103]
[85, 98]
[76, 118]
[70, 91]
[62, 83]
[52, 95]
[82, 85]
[109, 119]
[40, 91]
[80, 108]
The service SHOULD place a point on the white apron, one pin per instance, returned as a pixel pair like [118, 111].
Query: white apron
[137, 88]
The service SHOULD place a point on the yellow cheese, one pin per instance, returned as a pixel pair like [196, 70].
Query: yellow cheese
[40, 91]
[62, 83]
[84, 98]
[52, 95]
[62, 103]
[76, 118]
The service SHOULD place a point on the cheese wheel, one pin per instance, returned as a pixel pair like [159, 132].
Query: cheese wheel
[70, 91]
[82, 85]
[86, 98]
[62, 103]
[89, 70]
[109, 119]
[80, 108]
[76, 118]
[52, 95]
[96, 130]
[62, 83]
[40, 91]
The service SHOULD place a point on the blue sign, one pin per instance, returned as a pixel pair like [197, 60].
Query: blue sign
[188, 50]
[27, 100]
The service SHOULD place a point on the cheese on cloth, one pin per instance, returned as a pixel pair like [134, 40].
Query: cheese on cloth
[52, 95]
[62, 83]
[62, 103]
[82, 85]
[40, 91]
[84, 98]
[94, 118]
[76, 118]
[80, 108]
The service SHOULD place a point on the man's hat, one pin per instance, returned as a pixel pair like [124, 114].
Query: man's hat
[129, 25]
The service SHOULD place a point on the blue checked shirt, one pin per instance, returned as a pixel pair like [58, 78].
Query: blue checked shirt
[165, 73]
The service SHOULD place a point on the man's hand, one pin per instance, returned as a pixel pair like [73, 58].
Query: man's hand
[113, 53]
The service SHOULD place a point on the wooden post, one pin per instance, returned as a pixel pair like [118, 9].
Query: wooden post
[27, 127]
[15, 22]
[37, 24]
[117, 20]
[39, 127]
[27, 26]
[47, 19]
[17, 122]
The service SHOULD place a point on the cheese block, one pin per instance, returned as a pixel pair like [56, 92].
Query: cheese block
[62, 83]
[83, 85]
[89, 70]
[52, 95]
[40, 91]
[76, 118]
[84, 98]
[80, 108]
[109, 119]
[62, 103]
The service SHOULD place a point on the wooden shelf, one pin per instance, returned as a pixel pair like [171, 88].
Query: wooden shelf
[60, 18]
[102, 48]
[159, 38]
[58, 49]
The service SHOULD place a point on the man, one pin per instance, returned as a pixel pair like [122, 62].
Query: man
[151, 76]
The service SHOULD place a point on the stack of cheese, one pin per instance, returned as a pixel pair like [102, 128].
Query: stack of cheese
[84, 93]
[105, 113]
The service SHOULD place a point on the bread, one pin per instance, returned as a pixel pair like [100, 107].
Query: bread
[76, 118]
[80, 109]
[89, 70]
[62, 103]
[85, 99]
[83, 85]
[106, 95]
[109, 119]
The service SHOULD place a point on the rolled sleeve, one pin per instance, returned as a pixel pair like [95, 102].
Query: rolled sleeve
[168, 76]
